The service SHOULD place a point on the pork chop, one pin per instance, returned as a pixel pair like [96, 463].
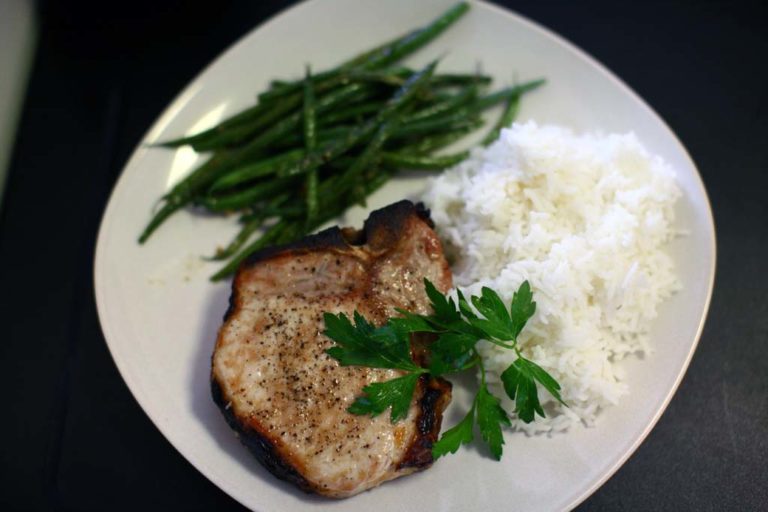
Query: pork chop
[279, 390]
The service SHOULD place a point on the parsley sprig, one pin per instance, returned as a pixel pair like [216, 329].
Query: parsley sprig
[458, 328]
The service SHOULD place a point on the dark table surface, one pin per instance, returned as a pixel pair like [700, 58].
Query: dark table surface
[73, 436]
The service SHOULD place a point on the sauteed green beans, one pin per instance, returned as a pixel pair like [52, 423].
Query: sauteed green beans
[312, 147]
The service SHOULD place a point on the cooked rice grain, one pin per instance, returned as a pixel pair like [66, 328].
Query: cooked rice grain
[584, 218]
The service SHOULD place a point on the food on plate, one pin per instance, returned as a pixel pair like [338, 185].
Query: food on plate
[285, 396]
[584, 218]
[338, 329]
[457, 327]
[311, 148]
[326, 333]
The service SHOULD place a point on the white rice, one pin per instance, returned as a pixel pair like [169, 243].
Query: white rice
[584, 219]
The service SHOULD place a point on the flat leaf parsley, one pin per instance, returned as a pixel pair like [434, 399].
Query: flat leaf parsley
[457, 328]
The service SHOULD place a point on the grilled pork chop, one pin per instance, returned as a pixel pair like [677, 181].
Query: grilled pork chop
[279, 390]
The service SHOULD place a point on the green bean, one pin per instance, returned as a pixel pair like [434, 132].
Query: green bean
[333, 78]
[358, 112]
[421, 123]
[296, 86]
[324, 136]
[286, 231]
[335, 132]
[186, 190]
[257, 169]
[387, 53]
[377, 181]
[506, 119]
[395, 76]
[270, 207]
[415, 84]
[468, 111]
[168, 209]
[441, 107]
[273, 208]
[286, 126]
[252, 120]
[460, 79]
[399, 100]
[246, 197]
[330, 150]
[272, 233]
[438, 125]
[245, 233]
[333, 190]
[427, 144]
[354, 112]
[373, 77]
[238, 127]
[291, 211]
[246, 115]
[427, 127]
[411, 123]
[276, 84]
[351, 177]
[415, 40]
[503, 95]
[251, 223]
[310, 142]
[362, 58]
[410, 161]
[463, 116]
[283, 124]
[309, 117]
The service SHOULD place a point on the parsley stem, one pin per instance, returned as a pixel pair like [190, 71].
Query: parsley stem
[476, 360]
[482, 367]
[502, 344]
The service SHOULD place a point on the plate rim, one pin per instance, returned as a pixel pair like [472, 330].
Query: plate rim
[177, 104]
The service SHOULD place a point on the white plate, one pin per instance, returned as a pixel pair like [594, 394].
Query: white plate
[160, 313]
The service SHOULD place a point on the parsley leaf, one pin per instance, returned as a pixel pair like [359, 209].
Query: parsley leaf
[490, 417]
[444, 308]
[522, 308]
[519, 381]
[497, 322]
[454, 437]
[451, 352]
[411, 322]
[396, 393]
[446, 317]
[362, 344]
[464, 306]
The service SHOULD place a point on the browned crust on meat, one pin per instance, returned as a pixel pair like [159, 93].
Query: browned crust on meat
[435, 397]
[434, 400]
[262, 447]
[380, 232]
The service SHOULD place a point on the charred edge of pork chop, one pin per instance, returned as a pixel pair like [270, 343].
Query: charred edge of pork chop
[435, 397]
[380, 230]
[260, 445]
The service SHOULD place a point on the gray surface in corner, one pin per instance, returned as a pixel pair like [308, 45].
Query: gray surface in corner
[18, 34]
